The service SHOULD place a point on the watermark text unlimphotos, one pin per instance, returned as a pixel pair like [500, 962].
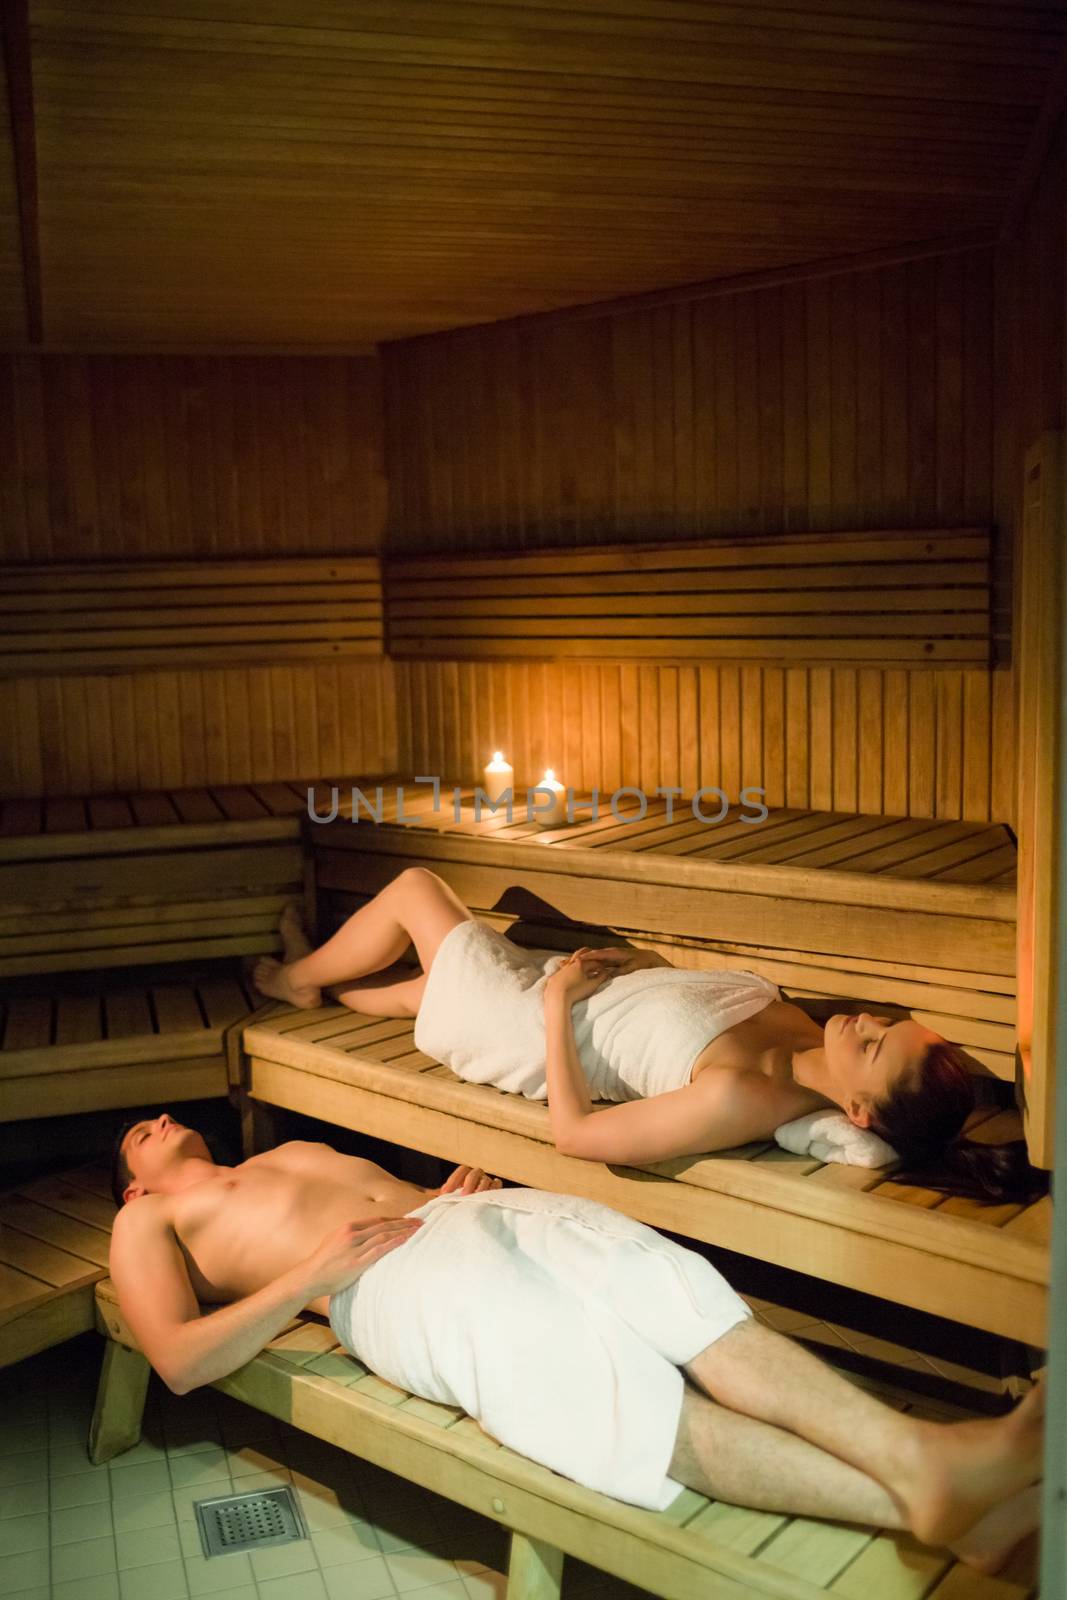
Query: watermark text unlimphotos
[625, 804]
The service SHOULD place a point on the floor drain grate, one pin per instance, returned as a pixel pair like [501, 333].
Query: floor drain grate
[249, 1521]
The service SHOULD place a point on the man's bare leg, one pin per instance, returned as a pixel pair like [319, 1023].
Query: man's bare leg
[417, 908]
[943, 1477]
[732, 1457]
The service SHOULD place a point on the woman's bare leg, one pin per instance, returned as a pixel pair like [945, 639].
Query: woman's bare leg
[401, 998]
[417, 908]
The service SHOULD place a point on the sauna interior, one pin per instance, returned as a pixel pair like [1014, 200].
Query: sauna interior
[660, 399]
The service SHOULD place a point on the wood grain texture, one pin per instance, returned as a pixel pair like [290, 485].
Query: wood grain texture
[823, 404]
[850, 598]
[1028, 389]
[450, 164]
[157, 730]
[122, 458]
[871, 739]
[178, 457]
[118, 616]
[861, 403]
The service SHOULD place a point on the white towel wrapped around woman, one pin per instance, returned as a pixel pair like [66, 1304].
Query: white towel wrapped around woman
[482, 1016]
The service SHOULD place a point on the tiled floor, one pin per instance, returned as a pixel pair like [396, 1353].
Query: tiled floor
[72, 1531]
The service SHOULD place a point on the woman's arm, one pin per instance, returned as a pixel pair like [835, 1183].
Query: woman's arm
[569, 1101]
[718, 1112]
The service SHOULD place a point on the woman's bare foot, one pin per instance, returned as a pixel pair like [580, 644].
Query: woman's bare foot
[275, 978]
[988, 1544]
[295, 942]
[965, 1470]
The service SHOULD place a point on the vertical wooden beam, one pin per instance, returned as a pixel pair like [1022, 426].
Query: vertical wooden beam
[120, 1398]
[1040, 657]
[535, 1570]
[15, 37]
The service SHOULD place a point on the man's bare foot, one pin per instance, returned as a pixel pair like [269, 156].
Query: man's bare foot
[966, 1469]
[988, 1544]
[275, 978]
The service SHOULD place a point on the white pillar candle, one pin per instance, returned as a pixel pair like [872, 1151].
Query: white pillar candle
[550, 815]
[497, 776]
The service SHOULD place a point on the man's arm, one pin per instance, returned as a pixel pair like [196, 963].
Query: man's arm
[157, 1299]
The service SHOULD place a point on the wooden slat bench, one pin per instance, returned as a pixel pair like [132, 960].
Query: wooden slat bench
[54, 1238]
[95, 881]
[95, 889]
[697, 1549]
[986, 1266]
[108, 1043]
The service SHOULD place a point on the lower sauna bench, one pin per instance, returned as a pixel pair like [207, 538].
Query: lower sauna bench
[985, 1266]
[93, 1044]
[54, 1238]
[697, 1549]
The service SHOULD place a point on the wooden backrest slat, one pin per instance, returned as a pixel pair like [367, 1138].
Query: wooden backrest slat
[876, 546]
[920, 599]
[116, 616]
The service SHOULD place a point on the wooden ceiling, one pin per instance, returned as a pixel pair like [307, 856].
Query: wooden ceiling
[328, 173]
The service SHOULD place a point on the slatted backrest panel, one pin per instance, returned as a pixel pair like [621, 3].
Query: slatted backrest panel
[907, 598]
[183, 614]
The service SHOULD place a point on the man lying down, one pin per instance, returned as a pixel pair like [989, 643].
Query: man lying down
[574, 1335]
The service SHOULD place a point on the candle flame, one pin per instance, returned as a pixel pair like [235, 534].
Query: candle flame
[549, 775]
[498, 755]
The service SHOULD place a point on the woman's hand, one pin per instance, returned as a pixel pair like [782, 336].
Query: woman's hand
[585, 971]
[468, 1180]
[345, 1254]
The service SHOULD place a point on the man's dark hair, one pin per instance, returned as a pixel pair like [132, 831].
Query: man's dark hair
[120, 1171]
[121, 1175]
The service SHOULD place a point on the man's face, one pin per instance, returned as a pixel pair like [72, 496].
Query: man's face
[156, 1147]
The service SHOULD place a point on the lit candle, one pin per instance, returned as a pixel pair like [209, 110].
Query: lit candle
[550, 815]
[497, 776]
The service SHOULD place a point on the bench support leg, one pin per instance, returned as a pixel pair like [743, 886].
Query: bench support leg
[259, 1126]
[120, 1398]
[535, 1570]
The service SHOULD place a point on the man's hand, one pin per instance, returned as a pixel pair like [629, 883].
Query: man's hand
[345, 1254]
[468, 1180]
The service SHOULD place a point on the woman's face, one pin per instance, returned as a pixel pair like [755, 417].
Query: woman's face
[867, 1057]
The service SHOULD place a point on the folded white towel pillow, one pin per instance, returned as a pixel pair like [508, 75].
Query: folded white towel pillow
[830, 1136]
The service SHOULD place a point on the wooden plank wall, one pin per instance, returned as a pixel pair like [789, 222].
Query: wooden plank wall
[1031, 327]
[119, 458]
[903, 743]
[83, 734]
[858, 400]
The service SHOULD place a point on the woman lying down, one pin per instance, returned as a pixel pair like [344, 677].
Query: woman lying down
[695, 1061]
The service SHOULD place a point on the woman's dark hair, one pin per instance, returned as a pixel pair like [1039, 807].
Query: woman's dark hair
[922, 1119]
